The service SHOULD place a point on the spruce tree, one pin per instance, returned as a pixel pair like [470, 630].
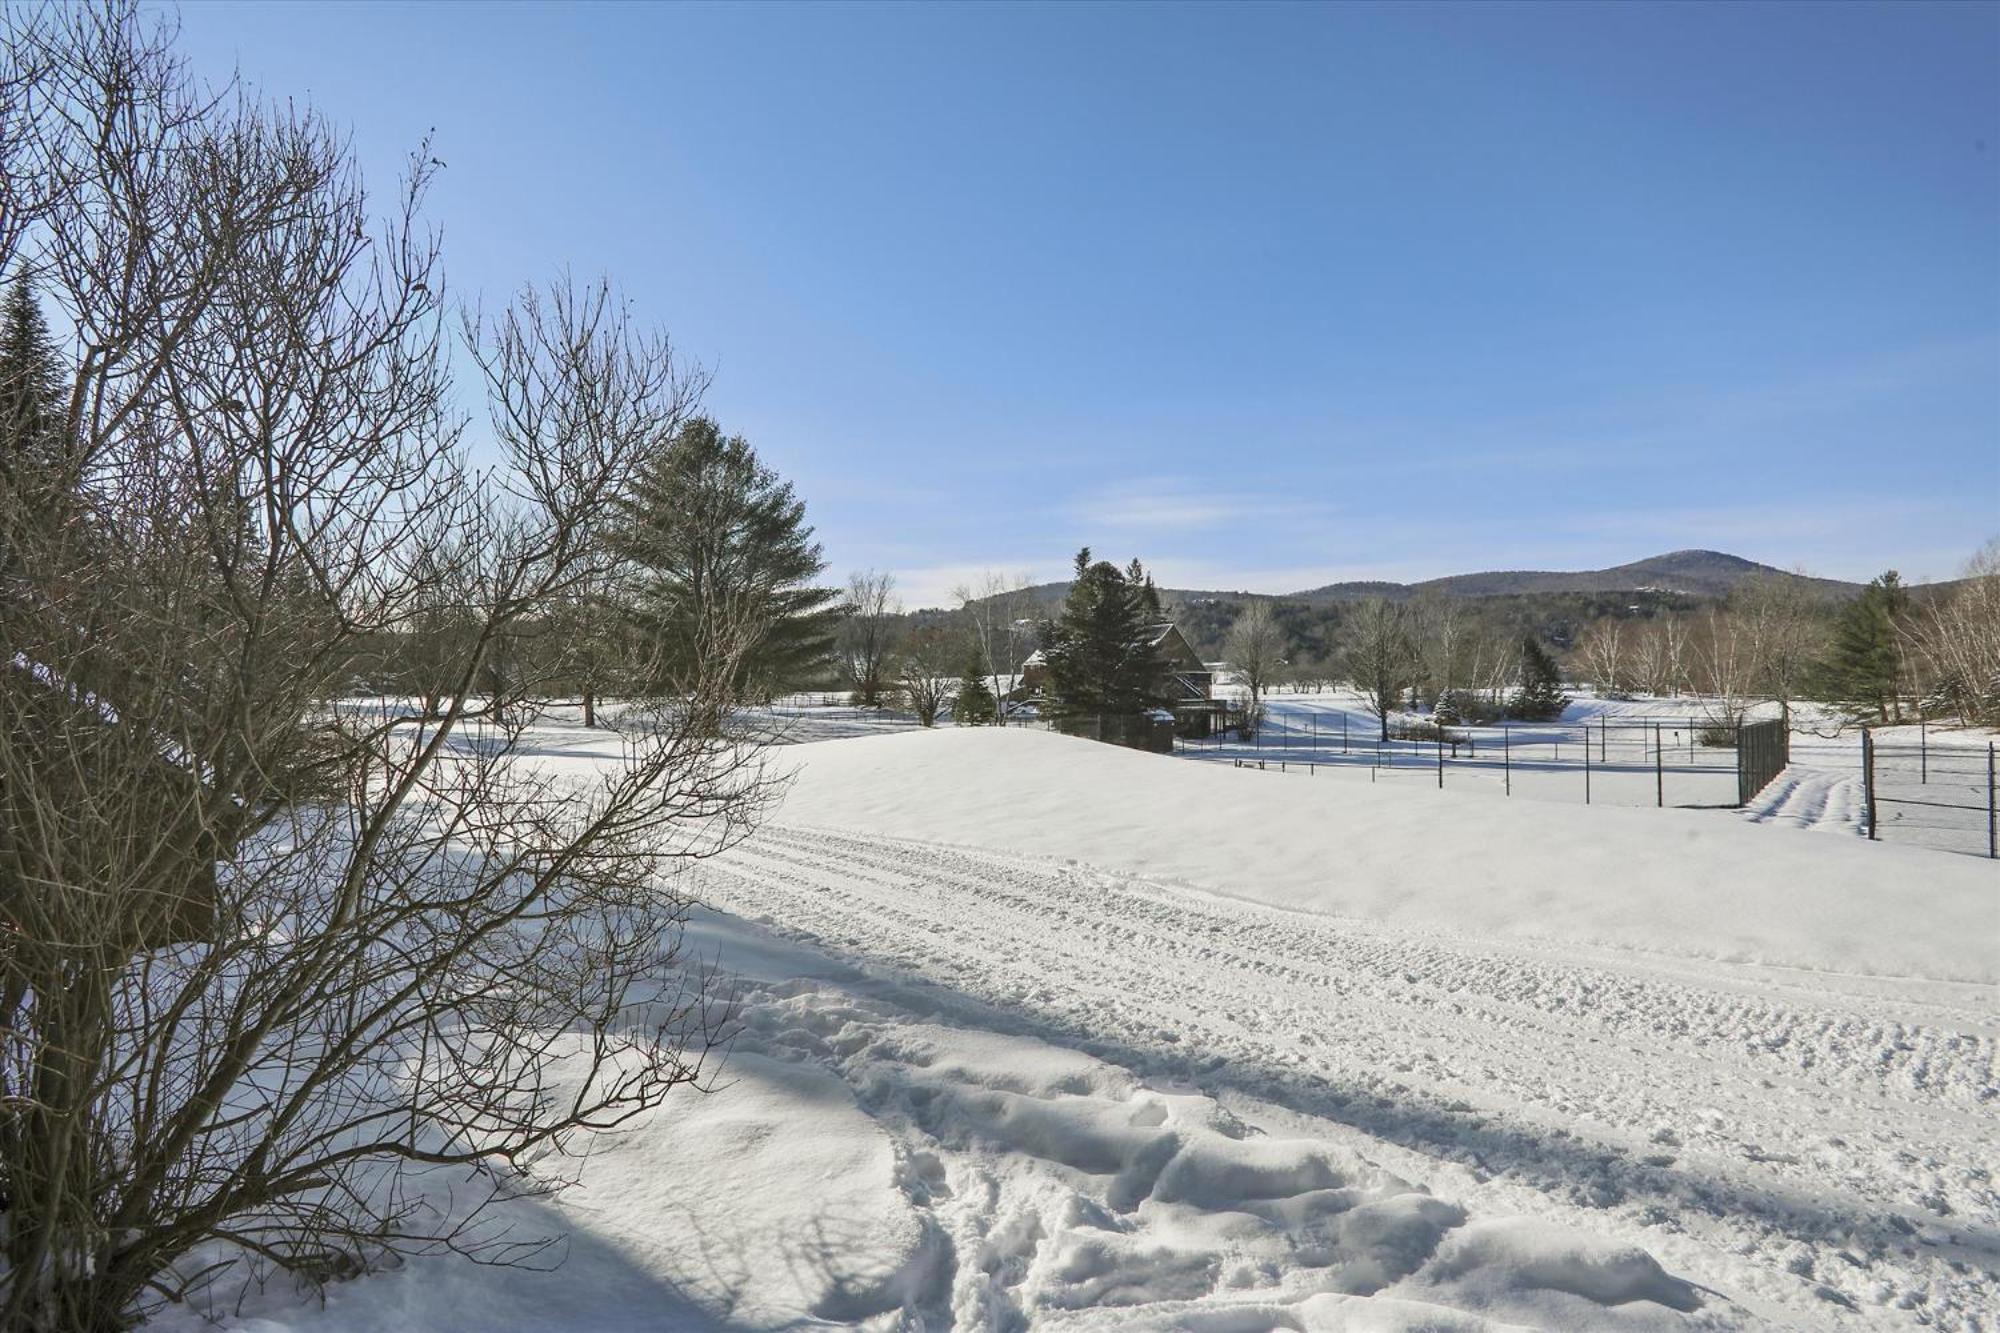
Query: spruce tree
[721, 564]
[38, 496]
[31, 409]
[1099, 652]
[974, 704]
[1540, 697]
[1864, 663]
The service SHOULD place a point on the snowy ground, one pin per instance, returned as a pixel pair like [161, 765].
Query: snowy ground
[1043, 1032]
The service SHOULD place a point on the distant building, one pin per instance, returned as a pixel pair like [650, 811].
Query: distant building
[1186, 685]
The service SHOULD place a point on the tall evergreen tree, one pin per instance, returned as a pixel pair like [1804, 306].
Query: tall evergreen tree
[722, 564]
[1099, 651]
[31, 408]
[1864, 663]
[1540, 696]
[974, 704]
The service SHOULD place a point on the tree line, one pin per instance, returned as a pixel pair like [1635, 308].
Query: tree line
[1889, 654]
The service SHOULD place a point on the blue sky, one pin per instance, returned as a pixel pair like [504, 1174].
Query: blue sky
[1267, 296]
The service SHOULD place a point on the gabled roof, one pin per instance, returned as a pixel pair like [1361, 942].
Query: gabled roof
[1155, 636]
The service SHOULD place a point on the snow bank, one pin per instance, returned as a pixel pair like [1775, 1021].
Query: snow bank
[1690, 882]
[769, 1203]
[771, 1198]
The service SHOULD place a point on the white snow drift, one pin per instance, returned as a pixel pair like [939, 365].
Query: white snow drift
[1685, 881]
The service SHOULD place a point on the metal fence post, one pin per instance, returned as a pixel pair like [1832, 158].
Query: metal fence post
[1343, 733]
[1659, 771]
[1868, 778]
[1507, 758]
[1586, 764]
[1742, 768]
[1440, 757]
[1923, 750]
[1992, 809]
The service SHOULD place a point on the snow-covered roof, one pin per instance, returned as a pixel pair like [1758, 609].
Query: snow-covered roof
[1155, 636]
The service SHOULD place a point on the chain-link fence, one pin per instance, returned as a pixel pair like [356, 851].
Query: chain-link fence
[1690, 761]
[1935, 794]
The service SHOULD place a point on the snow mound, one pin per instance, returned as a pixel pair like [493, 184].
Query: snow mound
[1549, 1276]
[770, 1198]
[1686, 882]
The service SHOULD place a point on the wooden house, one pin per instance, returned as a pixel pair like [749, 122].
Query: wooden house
[1186, 685]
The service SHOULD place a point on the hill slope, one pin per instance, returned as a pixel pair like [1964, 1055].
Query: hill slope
[1693, 573]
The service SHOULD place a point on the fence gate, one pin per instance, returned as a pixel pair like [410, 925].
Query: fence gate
[1762, 751]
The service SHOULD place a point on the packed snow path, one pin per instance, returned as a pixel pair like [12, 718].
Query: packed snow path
[1813, 1149]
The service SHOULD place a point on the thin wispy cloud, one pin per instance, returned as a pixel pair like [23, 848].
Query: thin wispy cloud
[930, 586]
[1184, 505]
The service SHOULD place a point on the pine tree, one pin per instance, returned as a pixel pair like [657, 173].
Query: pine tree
[1864, 663]
[721, 566]
[38, 496]
[1540, 697]
[974, 704]
[1099, 651]
[31, 410]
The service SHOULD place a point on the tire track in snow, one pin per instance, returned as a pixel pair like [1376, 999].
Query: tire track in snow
[1828, 1129]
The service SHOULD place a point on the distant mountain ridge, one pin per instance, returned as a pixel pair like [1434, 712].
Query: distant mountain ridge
[1692, 573]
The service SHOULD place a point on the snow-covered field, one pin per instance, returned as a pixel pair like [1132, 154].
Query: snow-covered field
[1332, 734]
[1040, 1032]
[1939, 802]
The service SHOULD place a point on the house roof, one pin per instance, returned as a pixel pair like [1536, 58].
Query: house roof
[1155, 636]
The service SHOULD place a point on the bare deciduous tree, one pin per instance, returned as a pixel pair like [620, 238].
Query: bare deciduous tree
[1602, 650]
[1256, 648]
[1379, 655]
[1725, 663]
[995, 607]
[927, 670]
[268, 954]
[1957, 637]
[868, 633]
[1660, 655]
[1786, 629]
[1441, 628]
[570, 371]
